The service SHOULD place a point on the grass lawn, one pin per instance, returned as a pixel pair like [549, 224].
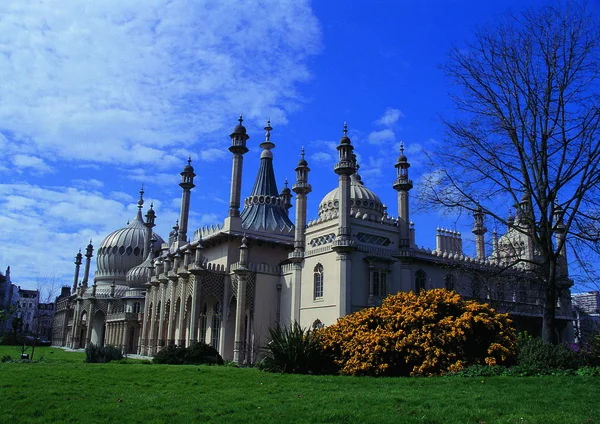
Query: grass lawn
[63, 388]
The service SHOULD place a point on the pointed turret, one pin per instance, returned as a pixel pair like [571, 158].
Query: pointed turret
[264, 209]
[78, 262]
[479, 230]
[186, 184]
[238, 148]
[150, 218]
[286, 196]
[345, 167]
[88, 259]
[403, 185]
[301, 188]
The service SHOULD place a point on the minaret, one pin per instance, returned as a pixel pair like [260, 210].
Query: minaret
[560, 231]
[150, 218]
[286, 196]
[479, 230]
[78, 258]
[88, 259]
[344, 168]
[238, 148]
[403, 185]
[187, 184]
[301, 188]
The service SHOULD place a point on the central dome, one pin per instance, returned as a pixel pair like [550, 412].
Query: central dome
[362, 201]
[123, 249]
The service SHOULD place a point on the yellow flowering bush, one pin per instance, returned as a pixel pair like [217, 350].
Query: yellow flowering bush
[430, 334]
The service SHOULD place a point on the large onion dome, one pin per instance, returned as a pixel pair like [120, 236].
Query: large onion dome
[362, 201]
[122, 250]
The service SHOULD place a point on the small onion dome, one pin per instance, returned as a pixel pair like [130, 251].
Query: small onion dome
[345, 139]
[362, 200]
[240, 129]
[140, 274]
[402, 157]
[286, 190]
[302, 162]
[123, 249]
[188, 168]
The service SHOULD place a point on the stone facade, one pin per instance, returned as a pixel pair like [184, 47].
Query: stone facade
[227, 284]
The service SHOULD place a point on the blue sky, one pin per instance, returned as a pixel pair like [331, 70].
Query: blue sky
[97, 99]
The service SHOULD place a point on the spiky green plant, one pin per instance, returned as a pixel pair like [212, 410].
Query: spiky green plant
[295, 350]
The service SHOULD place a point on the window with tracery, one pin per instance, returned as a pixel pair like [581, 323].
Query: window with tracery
[450, 282]
[318, 282]
[380, 283]
[420, 281]
[216, 326]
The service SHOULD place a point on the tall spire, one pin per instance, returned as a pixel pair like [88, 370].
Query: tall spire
[78, 259]
[238, 149]
[403, 184]
[479, 230]
[186, 184]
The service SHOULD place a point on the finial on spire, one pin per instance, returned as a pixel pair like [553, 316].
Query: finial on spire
[345, 129]
[141, 201]
[401, 147]
[302, 154]
[268, 129]
[286, 182]
[189, 159]
[241, 119]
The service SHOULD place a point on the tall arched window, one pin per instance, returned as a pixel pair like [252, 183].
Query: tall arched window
[203, 324]
[216, 326]
[137, 307]
[318, 279]
[380, 283]
[420, 280]
[450, 282]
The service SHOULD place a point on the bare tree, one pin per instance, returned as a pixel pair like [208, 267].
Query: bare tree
[525, 133]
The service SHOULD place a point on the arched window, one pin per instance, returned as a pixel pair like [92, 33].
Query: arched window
[380, 283]
[318, 278]
[137, 307]
[420, 279]
[450, 282]
[203, 324]
[216, 326]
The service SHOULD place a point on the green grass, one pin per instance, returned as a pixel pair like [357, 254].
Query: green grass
[70, 390]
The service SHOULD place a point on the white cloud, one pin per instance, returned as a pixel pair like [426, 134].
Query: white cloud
[112, 79]
[390, 117]
[87, 184]
[212, 155]
[380, 137]
[322, 157]
[32, 162]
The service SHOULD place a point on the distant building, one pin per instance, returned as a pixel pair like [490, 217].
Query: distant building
[586, 311]
[225, 285]
[9, 297]
[27, 309]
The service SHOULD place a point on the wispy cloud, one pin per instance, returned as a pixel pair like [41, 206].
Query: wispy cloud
[390, 117]
[382, 136]
[38, 165]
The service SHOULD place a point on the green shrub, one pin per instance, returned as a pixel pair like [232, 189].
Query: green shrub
[101, 354]
[196, 354]
[482, 371]
[295, 350]
[538, 357]
[589, 371]
[6, 358]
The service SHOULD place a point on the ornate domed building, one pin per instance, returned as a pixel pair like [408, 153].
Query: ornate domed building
[225, 285]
